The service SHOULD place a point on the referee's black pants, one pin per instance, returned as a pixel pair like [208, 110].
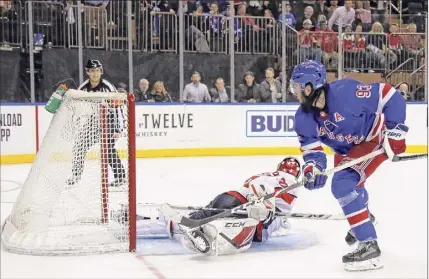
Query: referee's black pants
[87, 137]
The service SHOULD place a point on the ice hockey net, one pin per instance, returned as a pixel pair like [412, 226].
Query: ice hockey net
[52, 217]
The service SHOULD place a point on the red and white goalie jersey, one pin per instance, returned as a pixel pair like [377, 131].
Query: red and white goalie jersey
[287, 174]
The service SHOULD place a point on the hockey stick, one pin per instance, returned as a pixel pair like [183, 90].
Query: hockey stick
[191, 223]
[312, 216]
[297, 215]
[317, 216]
[397, 158]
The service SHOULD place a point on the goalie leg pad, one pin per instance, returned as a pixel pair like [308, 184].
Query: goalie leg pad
[223, 236]
[223, 201]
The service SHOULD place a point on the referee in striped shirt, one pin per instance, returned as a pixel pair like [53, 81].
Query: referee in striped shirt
[89, 134]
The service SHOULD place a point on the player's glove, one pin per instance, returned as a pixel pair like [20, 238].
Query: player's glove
[313, 176]
[259, 212]
[394, 140]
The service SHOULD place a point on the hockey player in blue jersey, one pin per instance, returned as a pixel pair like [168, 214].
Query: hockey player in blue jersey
[353, 119]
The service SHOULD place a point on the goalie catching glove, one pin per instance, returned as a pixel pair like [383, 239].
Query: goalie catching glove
[394, 140]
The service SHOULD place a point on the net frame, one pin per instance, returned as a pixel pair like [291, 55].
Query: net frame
[35, 243]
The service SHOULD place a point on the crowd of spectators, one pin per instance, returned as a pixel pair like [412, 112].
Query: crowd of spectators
[370, 41]
[269, 90]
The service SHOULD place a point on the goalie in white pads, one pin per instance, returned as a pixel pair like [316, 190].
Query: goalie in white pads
[235, 234]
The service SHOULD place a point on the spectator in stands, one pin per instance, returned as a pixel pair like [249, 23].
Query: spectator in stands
[248, 30]
[215, 28]
[269, 20]
[249, 90]
[361, 52]
[327, 40]
[271, 89]
[195, 33]
[218, 93]
[320, 19]
[255, 8]
[320, 9]
[290, 18]
[307, 43]
[267, 33]
[354, 48]
[332, 7]
[289, 96]
[404, 89]
[394, 40]
[223, 5]
[412, 43]
[95, 19]
[308, 16]
[298, 8]
[196, 91]
[363, 14]
[342, 15]
[188, 6]
[375, 45]
[122, 87]
[159, 94]
[8, 23]
[142, 93]
[378, 50]
[280, 77]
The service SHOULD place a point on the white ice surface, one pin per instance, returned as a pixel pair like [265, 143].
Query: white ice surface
[398, 197]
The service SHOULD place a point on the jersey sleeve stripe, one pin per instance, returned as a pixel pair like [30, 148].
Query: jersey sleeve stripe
[386, 92]
[376, 127]
[286, 197]
[111, 86]
[283, 206]
[83, 85]
[312, 146]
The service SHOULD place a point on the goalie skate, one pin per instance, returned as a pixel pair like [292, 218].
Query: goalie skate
[196, 241]
[365, 257]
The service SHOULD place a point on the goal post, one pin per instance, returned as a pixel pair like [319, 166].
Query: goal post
[80, 194]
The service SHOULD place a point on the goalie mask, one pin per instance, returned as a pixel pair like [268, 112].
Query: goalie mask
[290, 165]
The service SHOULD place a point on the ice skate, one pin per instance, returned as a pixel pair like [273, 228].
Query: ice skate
[365, 257]
[196, 241]
[350, 238]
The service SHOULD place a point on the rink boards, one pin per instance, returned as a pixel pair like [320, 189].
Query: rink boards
[191, 130]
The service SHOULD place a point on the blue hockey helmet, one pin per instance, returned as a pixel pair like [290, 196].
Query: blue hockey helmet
[308, 72]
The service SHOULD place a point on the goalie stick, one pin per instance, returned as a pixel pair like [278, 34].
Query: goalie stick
[191, 223]
[295, 215]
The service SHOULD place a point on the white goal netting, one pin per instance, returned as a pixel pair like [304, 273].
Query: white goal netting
[76, 199]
